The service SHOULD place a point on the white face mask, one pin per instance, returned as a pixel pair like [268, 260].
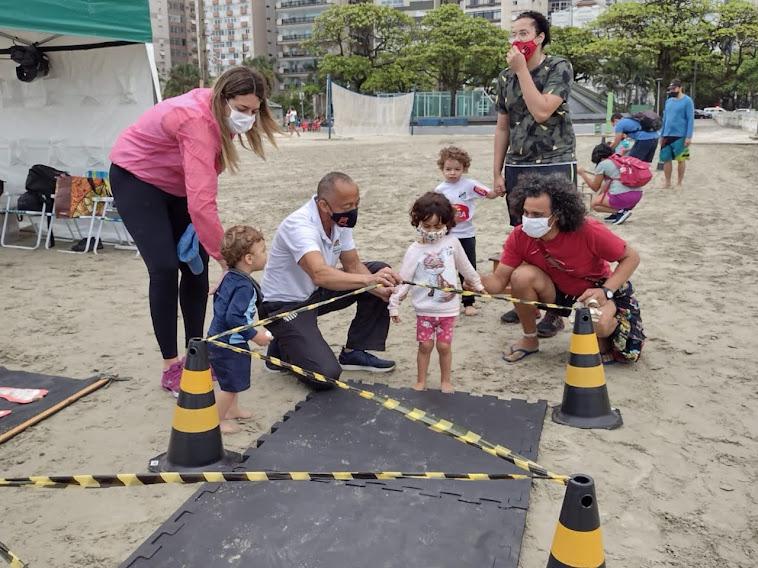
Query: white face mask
[239, 122]
[427, 237]
[536, 227]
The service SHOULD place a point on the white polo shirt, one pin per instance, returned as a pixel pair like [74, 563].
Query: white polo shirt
[300, 233]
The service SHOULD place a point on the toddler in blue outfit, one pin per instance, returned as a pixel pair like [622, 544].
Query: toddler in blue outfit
[235, 303]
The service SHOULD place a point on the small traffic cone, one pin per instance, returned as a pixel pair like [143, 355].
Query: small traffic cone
[578, 542]
[585, 395]
[195, 442]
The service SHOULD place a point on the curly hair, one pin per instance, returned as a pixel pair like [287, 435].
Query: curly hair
[601, 152]
[565, 201]
[237, 242]
[431, 204]
[454, 153]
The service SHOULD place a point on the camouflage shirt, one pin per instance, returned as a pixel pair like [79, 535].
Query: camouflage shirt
[552, 141]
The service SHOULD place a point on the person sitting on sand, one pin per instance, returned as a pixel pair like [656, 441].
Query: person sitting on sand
[559, 255]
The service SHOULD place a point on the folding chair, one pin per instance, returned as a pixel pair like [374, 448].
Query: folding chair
[31, 215]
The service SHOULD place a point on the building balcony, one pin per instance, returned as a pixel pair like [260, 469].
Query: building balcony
[300, 3]
[294, 54]
[293, 38]
[482, 4]
[295, 21]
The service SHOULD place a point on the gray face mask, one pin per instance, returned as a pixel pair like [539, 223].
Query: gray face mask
[239, 122]
[536, 227]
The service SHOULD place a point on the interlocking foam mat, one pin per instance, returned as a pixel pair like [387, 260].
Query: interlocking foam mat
[429, 523]
[61, 392]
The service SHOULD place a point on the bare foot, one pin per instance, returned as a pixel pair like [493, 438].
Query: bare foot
[229, 427]
[470, 311]
[238, 413]
[447, 387]
[420, 386]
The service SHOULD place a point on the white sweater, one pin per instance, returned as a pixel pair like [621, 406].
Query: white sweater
[436, 264]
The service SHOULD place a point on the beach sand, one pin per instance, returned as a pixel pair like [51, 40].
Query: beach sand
[674, 484]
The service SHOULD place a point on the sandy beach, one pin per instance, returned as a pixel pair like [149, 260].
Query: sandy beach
[674, 484]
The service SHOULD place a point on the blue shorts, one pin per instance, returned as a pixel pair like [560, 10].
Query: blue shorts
[232, 369]
[674, 149]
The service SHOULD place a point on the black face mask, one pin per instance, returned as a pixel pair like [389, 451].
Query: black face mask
[672, 94]
[346, 218]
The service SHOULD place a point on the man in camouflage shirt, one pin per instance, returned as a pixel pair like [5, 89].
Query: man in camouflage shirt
[534, 133]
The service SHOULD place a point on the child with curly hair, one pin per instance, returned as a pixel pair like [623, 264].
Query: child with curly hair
[235, 303]
[463, 193]
[435, 259]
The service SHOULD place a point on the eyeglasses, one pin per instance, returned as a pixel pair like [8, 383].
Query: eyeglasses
[521, 35]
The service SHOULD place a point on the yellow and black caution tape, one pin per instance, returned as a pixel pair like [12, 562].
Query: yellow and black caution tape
[416, 415]
[504, 297]
[291, 313]
[10, 558]
[170, 477]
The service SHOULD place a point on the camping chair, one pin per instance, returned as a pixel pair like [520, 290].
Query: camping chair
[305, 125]
[43, 215]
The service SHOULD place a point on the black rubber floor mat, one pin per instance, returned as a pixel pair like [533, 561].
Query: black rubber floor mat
[363, 523]
[60, 389]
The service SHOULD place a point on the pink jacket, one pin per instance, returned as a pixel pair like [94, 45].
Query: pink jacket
[176, 146]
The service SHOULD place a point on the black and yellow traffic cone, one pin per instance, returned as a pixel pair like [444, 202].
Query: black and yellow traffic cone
[585, 394]
[578, 542]
[195, 442]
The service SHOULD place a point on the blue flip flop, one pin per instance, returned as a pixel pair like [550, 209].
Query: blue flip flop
[525, 352]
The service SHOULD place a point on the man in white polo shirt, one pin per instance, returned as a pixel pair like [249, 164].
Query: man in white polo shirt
[302, 269]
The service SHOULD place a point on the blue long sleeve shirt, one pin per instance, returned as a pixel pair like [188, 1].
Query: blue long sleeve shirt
[678, 117]
[235, 304]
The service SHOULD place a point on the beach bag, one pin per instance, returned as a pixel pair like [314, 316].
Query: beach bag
[634, 172]
[41, 179]
[74, 196]
[649, 120]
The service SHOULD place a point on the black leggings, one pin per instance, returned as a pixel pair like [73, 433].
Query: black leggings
[469, 247]
[156, 220]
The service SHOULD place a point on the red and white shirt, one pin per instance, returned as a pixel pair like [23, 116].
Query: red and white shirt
[463, 196]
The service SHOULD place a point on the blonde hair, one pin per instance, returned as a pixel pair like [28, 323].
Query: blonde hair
[454, 153]
[237, 242]
[234, 82]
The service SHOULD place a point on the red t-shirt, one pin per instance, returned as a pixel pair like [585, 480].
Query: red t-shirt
[573, 261]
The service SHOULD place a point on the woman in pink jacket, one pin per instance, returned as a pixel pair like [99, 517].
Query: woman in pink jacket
[165, 176]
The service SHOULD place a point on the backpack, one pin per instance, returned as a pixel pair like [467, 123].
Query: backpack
[41, 179]
[649, 120]
[634, 172]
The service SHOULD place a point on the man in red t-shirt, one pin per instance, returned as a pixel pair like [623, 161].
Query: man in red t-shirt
[559, 256]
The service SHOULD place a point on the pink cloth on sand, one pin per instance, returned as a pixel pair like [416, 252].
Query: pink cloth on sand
[21, 396]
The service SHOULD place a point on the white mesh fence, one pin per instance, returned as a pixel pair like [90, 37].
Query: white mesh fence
[363, 115]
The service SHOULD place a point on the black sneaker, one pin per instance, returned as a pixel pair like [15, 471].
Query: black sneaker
[623, 216]
[549, 325]
[613, 217]
[273, 351]
[509, 317]
[364, 361]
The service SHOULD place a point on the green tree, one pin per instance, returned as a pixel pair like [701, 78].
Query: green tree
[455, 50]
[575, 44]
[182, 78]
[265, 66]
[360, 44]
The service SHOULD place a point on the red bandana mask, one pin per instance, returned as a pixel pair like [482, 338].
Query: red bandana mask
[526, 47]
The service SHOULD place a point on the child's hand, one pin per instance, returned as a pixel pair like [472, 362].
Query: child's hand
[395, 319]
[263, 338]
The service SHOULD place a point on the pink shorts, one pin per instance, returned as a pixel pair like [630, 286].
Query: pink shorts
[625, 200]
[429, 327]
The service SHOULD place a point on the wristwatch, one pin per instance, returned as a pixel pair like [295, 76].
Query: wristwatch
[608, 292]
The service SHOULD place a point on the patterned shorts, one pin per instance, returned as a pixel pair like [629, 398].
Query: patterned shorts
[428, 327]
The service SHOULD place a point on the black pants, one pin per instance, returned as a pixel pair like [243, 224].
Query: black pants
[644, 150]
[300, 342]
[513, 173]
[156, 220]
[469, 247]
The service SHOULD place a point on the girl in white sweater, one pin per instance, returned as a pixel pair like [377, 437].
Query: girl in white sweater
[435, 259]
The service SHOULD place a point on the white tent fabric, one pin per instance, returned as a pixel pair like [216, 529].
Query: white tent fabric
[70, 118]
[363, 115]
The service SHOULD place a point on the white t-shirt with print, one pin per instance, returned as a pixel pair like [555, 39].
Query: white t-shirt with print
[300, 233]
[463, 196]
[436, 264]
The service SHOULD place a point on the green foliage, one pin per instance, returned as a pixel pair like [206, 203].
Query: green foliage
[575, 44]
[183, 78]
[455, 50]
[265, 66]
[360, 43]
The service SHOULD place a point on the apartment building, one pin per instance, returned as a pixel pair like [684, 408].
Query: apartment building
[174, 33]
[228, 33]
